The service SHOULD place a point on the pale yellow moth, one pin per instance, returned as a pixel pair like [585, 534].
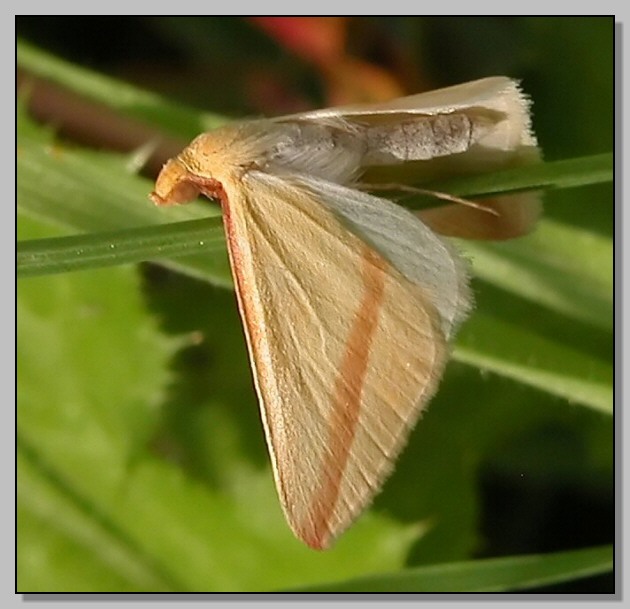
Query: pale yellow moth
[349, 301]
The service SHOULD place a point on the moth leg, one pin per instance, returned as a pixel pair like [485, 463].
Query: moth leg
[444, 196]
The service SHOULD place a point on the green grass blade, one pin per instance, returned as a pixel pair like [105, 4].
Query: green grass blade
[567, 173]
[126, 98]
[79, 252]
[517, 352]
[66, 187]
[491, 575]
[559, 266]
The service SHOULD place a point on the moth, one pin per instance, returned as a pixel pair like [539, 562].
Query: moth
[349, 301]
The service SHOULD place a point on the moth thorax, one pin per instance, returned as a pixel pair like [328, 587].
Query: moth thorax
[319, 150]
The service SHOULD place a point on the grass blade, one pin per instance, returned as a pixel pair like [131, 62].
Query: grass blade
[491, 575]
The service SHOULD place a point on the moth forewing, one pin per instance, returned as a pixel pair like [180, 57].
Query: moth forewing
[495, 93]
[348, 301]
[496, 105]
[341, 373]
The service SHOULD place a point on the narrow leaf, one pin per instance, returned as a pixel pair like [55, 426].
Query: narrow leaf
[114, 93]
[62, 254]
[566, 173]
[518, 353]
[491, 575]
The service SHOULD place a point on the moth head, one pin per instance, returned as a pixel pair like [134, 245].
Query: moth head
[174, 185]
